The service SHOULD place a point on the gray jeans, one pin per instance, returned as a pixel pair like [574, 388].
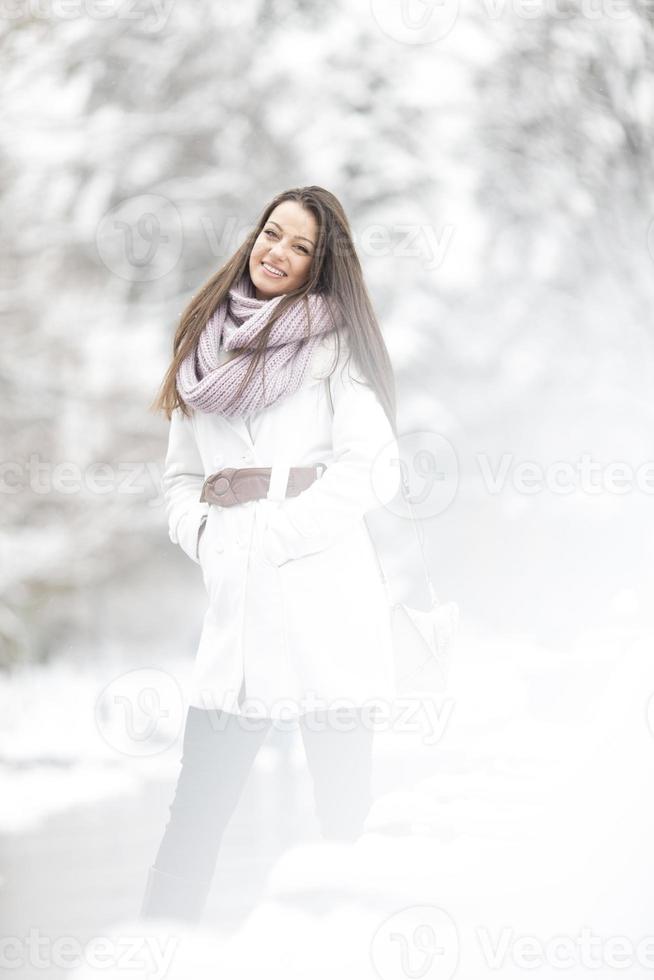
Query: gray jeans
[218, 753]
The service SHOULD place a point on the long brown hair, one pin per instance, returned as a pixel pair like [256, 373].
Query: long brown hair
[335, 273]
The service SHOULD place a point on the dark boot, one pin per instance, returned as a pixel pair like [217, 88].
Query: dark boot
[169, 896]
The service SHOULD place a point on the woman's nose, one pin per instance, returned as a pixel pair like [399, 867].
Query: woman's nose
[278, 251]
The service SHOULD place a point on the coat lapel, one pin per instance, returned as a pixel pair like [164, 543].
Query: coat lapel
[240, 428]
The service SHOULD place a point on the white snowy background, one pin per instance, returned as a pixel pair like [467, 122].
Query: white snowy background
[502, 156]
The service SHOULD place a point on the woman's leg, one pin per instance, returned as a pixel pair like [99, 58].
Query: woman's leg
[339, 756]
[218, 751]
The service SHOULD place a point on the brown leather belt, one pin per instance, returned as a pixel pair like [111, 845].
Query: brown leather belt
[232, 486]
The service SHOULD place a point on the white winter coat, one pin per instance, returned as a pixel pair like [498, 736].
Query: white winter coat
[298, 616]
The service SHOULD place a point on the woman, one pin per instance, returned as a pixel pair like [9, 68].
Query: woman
[281, 374]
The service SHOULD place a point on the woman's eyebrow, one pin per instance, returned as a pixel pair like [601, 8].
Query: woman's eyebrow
[295, 236]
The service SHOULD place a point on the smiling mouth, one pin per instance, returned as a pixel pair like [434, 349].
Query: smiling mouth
[273, 271]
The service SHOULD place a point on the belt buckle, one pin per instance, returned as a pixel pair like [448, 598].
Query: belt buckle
[217, 488]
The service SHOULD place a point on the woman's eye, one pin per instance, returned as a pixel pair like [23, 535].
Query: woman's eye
[273, 234]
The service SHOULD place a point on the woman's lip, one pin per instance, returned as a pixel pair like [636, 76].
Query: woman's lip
[272, 273]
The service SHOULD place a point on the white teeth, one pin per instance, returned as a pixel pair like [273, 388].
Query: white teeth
[275, 272]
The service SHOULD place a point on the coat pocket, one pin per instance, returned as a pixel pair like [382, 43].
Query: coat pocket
[211, 551]
[266, 550]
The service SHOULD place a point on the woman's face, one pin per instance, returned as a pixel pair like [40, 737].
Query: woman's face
[286, 243]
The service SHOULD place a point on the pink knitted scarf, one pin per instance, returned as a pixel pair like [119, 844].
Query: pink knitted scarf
[205, 384]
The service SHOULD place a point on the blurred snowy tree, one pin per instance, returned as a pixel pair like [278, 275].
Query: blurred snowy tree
[498, 185]
[566, 116]
[564, 181]
[136, 154]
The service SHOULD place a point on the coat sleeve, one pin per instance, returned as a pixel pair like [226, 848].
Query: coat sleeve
[182, 481]
[363, 475]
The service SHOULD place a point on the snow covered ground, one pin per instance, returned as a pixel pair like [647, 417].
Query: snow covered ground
[516, 838]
